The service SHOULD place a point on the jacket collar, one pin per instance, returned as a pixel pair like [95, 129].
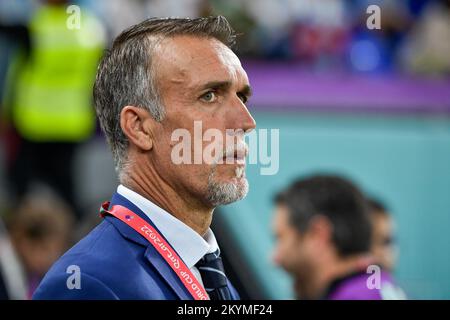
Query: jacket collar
[191, 247]
[151, 254]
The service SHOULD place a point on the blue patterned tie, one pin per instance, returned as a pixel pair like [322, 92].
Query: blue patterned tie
[213, 276]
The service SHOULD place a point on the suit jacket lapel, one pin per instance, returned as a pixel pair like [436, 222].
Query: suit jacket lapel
[151, 255]
[167, 273]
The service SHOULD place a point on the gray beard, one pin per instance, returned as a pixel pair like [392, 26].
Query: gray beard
[222, 193]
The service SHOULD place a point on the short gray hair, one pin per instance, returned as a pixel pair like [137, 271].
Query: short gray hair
[125, 75]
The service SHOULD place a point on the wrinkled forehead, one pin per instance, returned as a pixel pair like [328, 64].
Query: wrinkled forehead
[193, 61]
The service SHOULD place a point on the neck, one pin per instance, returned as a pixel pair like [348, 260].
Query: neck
[317, 283]
[181, 205]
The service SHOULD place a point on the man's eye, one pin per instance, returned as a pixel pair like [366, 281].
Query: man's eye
[243, 97]
[210, 96]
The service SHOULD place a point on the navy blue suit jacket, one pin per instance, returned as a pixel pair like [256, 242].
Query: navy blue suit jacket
[115, 262]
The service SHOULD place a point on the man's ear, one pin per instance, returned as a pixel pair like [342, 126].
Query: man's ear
[321, 228]
[134, 122]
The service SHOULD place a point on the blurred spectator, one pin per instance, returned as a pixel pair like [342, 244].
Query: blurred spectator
[240, 15]
[427, 49]
[383, 249]
[48, 98]
[375, 51]
[332, 35]
[117, 15]
[320, 33]
[41, 231]
[323, 231]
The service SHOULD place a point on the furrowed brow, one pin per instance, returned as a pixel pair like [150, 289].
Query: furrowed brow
[216, 85]
[246, 90]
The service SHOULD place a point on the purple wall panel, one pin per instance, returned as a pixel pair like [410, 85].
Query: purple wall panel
[289, 87]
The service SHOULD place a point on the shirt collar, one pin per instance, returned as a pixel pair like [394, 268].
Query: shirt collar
[189, 244]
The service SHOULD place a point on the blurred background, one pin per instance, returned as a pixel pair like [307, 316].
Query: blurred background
[370, 105]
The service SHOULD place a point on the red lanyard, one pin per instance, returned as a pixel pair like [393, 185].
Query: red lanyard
[160, 244]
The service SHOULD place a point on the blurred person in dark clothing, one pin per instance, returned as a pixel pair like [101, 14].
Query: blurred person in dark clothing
[40, 230]
[383, 249]
[48, 98]
[323, 232]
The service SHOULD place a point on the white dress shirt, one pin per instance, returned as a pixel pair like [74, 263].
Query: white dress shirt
[189, 245]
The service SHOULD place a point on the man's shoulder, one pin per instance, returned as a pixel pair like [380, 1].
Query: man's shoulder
[103, 245]
[103, 265]
[367, 286]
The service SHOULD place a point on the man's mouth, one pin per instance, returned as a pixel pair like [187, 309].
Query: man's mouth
[236, 156]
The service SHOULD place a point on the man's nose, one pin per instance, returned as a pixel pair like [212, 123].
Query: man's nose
[276, 257]
[244, 119]
[249, 123]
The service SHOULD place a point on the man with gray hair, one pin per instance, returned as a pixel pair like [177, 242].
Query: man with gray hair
[164, 80]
